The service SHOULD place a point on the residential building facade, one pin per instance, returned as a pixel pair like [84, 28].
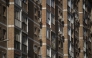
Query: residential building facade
[45, 29]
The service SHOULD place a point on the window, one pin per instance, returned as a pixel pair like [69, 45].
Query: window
[48, 17]
[48, 51]
[4, 34]
[52, 3]
[35, 48]
[16, 56]
[48, 2]
[17, 45]
[1, 34]
[3, 55]
[17, 14]
[1, 9]
[17, 17]
[48, 33]
[24, 42]
[24, 39]
[4, 11]
[24, 23]
[24, 1]
[18, 2]
[53, 40]
[24, 48]
[52, 19]
[53, 54]
[17, 35]
[24, 56]
[35, 30]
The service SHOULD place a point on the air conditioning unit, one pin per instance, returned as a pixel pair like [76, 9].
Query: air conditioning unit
[63, 38]
[79, 49]
[60, 32]
[39, 20]
[84, 48]
[60, 18]
[40, 37]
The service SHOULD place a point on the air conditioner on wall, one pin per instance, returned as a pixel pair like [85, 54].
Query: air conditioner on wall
[39, 20]
[60, 18]
[60, 32]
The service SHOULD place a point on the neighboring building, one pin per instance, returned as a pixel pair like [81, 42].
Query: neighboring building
[24, 27]
[87, 28]
[3, 28]
[52, 29]
[48, 29]
[45, 29]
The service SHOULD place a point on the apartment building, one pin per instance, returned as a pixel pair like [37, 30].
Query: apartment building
[24, 29]
[35, 28]
[3, 28]
[73, 28]
[45, 29]
[87, 28]
[48, 29]
[52, 29]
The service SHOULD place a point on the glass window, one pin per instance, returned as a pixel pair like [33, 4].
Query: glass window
[16, 56]
[53, 40]
[17, 35]
[17, 14]
[35, 48]
[48, 33]
[24, 39]
[24, 23]
[48, 51]
[4, 34]
[52, 3]
[24, 1]
[24, 56]
[3, 55]
[53, 55]
[17, 45]
[4, 11]
[18, 2]
[48, 17]
[48, 2]
[24, 48]
[52, 19]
